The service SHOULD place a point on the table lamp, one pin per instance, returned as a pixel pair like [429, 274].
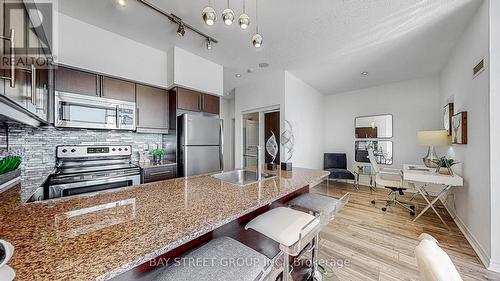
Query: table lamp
[432, 139]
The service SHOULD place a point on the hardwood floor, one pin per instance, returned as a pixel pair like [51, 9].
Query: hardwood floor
[377, 245]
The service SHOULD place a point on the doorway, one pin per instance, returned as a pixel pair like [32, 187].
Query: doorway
[261, 128]
[250, 138]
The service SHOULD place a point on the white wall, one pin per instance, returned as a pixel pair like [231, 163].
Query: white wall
[415, 105]
[194, 72]
[304, 110]
[472, 201]
[494, 12]
[89, 47]
[264, 92]
[227, 114]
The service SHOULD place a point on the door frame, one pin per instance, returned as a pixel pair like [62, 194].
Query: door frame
[262, 142]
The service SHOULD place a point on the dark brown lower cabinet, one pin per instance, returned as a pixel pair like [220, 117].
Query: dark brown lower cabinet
[159, 173]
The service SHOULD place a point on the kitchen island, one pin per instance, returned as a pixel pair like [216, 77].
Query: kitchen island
[101, 236]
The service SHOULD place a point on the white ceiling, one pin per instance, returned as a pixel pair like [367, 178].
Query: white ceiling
[326, 43]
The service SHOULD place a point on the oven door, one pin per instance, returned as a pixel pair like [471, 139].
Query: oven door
[79, 111]
[76, 188]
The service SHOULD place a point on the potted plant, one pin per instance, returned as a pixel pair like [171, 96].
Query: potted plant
[444, 162]
[9, 167]
[157, 154]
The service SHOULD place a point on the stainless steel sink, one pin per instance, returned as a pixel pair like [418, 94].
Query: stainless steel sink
[241, 177]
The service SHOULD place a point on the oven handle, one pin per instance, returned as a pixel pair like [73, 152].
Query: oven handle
[118, 118]
[96, 182]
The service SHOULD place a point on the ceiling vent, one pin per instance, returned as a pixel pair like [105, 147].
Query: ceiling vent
[480, 66]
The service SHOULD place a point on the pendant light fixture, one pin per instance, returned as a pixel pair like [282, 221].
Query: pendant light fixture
[228, 15]
[257, 38]
[244, 19]
[209, 15]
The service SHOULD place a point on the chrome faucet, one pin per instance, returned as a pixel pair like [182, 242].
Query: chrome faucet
[259, 160]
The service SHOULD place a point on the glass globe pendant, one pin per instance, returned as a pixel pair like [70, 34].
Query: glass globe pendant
[244, 19]
[257, 40]
[209, 15]
[228, 15]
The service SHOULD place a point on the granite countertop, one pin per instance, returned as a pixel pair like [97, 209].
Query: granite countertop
[151, 164]
[98, 237]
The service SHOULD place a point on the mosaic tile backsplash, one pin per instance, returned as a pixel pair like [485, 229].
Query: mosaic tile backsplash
[38, 147]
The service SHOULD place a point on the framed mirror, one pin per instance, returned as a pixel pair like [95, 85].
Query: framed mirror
[383, 151]
[373, 127]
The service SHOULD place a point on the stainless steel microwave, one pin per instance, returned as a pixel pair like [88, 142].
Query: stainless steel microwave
[91, 112]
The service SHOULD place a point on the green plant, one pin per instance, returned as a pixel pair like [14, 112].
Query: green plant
[157, 152]
[9, 163]
[445, 162]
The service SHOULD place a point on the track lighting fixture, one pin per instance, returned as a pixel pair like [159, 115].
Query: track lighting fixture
[182, 26]
[228, 15]
[181, 31]
[244, 19]
[257, 38]
[209, 15]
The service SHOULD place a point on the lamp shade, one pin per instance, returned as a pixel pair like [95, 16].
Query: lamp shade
[433, 138]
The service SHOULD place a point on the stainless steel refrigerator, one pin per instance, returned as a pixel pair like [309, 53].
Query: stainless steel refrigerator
[200, 145]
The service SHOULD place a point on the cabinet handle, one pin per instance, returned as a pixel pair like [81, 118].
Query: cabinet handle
[33, 85]
[137, 116]
[167, 172]
[202, 98]
[12, 77]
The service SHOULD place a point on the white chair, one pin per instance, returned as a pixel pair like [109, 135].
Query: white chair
[292, 229]
[391, 179]
[326, 208]
[433, 263]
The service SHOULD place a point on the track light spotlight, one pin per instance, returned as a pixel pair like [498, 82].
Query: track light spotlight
[181, 31]
[209, 44]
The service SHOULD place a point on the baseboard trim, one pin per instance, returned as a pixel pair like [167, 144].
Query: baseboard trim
[483, 256]
[494, 266]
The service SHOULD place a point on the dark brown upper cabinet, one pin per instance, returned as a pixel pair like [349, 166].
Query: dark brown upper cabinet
[118, 89]
[195, 101]
[210, 104]
[76, 81]
[188, 99]
[152, 109]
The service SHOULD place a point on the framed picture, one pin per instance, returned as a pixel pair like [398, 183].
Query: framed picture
[447, 118]
[459, 125]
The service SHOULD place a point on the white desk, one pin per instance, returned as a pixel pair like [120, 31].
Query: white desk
[420, 176]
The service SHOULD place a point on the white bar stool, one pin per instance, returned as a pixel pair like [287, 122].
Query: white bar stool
[220, 259]
[292, 229]
[326, 208]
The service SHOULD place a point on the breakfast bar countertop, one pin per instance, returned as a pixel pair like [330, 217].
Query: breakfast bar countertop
[99, 236]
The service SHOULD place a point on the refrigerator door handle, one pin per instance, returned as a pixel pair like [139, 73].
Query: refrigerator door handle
[221, 145]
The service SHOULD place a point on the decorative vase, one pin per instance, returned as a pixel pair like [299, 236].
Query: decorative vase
[430, 158]
[157, 159]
